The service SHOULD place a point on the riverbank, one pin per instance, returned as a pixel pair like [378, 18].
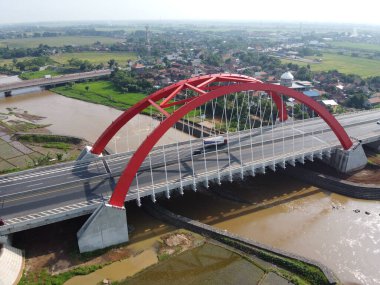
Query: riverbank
[25, 143]
[296, 269]
[369, 175]
[276, 210]
[104, 93]
[52, 255]
[100, 92]
[117, 263]
[211, 263]
[87, 120]
[195, 258]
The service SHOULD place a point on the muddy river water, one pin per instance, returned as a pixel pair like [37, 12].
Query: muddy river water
[341, 232]
[72, 117]
[297, 218]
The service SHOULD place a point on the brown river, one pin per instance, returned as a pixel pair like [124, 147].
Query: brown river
[72, 117]
[341, 232]
[297, 218]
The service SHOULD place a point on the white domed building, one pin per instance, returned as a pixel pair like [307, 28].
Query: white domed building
[286, 79]
[306, 87]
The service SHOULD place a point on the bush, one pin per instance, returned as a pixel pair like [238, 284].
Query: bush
[43, 277]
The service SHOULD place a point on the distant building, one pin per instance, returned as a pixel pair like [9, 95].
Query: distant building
[138, 68]
[374, 100]
[286, 79]
[312, 94]
[331, 103]
[196, 62]
[306, 87]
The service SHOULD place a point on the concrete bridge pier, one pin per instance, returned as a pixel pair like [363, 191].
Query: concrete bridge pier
[346, 161]
[106, 226]
[6, 239]
[87, 154]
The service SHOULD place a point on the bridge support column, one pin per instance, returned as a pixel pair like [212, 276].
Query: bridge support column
[107, 226]
[87, 154]
[7, 239]
[8, 93]
[346, 161]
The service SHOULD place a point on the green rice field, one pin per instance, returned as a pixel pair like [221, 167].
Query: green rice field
[56, 41]
[345, 64]
[96, 57]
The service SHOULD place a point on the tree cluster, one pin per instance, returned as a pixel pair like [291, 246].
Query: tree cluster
[126, 82]
[263, 61]
[358, 101]
[33, 64]
[8, 53]
[83, 65]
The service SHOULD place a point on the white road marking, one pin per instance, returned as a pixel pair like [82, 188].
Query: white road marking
[34, 184]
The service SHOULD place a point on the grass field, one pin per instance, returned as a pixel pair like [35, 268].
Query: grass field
[100, 92]
[104, 93]
[56, 41]
[345, 64]
[357, 46]
[5, 61]
[96, 57]
[37, 74]
[10, 61]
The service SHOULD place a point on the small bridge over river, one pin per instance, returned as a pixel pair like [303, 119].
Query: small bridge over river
[52, 81]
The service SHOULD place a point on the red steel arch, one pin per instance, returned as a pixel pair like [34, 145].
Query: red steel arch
[200, 85]
[118, 197]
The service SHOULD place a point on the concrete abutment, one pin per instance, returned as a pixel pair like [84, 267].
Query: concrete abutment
[87, 154]
[107, 226]
[346, 161]
[6, 239]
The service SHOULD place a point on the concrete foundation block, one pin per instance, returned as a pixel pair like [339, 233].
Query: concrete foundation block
[7, 239]
[87, 154]
[346, 161]
[105, 227]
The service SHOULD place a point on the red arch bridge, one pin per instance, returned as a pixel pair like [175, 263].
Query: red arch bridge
[236, 126]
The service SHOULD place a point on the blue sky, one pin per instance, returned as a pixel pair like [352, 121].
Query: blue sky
[18, 11]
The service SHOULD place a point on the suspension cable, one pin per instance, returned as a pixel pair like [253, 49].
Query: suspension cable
[238, 114]
[228, 138]
[217, 152]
